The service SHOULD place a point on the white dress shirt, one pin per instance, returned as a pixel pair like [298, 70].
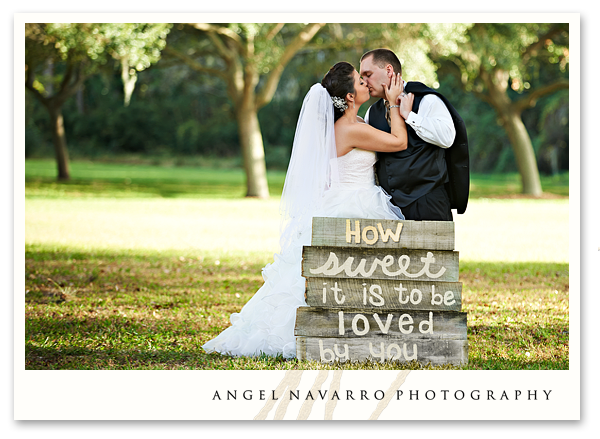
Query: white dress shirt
[432, 123]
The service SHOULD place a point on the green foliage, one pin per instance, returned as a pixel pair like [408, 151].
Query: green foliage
[520, 49]
[141, 43]
[64, 41]
[489, 147]
[93, 44]
[523, 59]
[179, 112]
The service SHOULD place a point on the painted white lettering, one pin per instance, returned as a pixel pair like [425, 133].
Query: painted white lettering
[384, 328]
[387, 261]
[365, 237]
[436, 298]
[401, 290]
[341, 328]
[366, 326]
[380, 354]
[343, 356]
[380, 301]
[429, 324]
[397, 355]
[337, 290]
[430, 260]
[449, 298]
[326, 354]
[385, 236]
[414, 354]
[332, 267]
[416, 296]
[405, 319]
[353, 233]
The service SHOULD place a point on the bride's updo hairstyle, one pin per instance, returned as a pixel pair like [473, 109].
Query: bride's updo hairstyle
[339, 81]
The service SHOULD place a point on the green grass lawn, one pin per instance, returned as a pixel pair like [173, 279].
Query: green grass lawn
[132, 267]
[92, 179]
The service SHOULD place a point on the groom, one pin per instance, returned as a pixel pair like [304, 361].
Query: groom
[431, 176]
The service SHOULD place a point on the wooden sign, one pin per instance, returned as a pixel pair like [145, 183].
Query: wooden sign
[383, 294]
[382, 290]
[329, 350]
[369, 233]
[386, 263]
[405, 325]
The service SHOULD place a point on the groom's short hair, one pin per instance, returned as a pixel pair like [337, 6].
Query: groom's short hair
[382, 57]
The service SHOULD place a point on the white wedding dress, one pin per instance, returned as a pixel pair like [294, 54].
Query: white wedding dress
[266, 323]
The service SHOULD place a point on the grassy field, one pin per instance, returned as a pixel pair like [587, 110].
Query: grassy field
[135, 267]
[92, 179]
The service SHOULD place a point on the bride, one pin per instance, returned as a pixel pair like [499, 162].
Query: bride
[330, 174]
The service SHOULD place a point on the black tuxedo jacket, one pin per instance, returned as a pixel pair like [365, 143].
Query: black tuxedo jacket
[408, 175]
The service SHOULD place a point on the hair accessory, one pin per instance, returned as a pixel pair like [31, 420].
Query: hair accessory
[339, 103]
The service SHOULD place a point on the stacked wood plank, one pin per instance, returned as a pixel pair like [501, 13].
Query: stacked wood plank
[381, 289]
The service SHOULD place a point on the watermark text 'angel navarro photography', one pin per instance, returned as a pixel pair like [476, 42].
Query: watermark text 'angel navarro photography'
[404, 395]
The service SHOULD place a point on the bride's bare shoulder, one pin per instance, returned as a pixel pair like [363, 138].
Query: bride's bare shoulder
[360, 119]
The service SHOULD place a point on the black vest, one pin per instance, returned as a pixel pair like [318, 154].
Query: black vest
[422, 167]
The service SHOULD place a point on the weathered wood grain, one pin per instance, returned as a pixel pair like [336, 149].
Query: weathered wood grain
[372, 233]
[380, 263]
[436, 352]
[320, 322]
[383, 294]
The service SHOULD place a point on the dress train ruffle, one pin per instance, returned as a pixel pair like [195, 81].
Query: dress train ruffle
[266, 323]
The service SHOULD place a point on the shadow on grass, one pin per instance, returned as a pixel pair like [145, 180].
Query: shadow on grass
[63, 342]
[489, 269]
[149, 310]
[139, 188]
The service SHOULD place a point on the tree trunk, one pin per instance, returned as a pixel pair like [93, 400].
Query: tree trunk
[72, 81]
[60, 143]
[253, 152]
[129, 77]
[523, 149]
[497, 84]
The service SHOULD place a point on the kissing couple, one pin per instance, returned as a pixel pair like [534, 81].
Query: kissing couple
[412, 137]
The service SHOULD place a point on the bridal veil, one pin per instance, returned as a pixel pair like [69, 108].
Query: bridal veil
[313, 166]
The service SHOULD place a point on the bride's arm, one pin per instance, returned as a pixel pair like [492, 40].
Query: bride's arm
[363, 136]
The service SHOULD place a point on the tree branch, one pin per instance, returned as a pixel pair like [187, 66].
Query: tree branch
[68, 87]
[303, 37]
[29, 80]
[213, 32]
[207, 27]
[532, 97]
[195, 65]
[533, 48]
[271, 34]
[64, 83]
[227, 54]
